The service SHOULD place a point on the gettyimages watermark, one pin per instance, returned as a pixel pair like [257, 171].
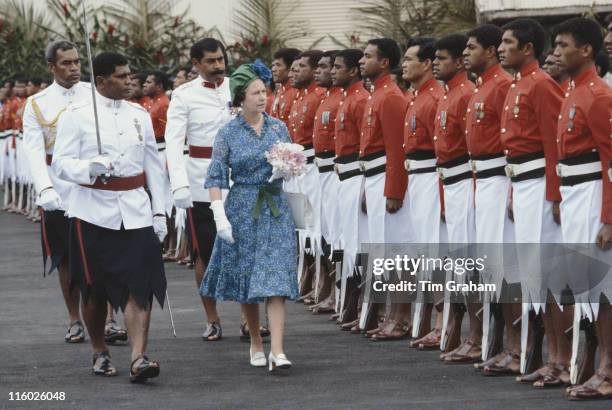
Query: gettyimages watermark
[506, 273]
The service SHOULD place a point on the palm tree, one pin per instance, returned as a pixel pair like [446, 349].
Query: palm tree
[23, 36]
[260, 30]
[152, 35]
[385, 18]
[146, 31]
[404, 19]
[20, 14]
[460, 16]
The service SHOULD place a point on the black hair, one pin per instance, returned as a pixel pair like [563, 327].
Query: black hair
[104, 64]
[20, 79]
[55, 46]
[427, 47]
[584, 31]
[608, 19]
[161, 78]
[387, 48]
[206, 44]
[528, 31]
[351, 57]
[288, 55]
[331, 54]
[487, 35]
[453, 43]
[603, 62]
[398, 72]
[36, 81]
[313, 57]
[141, 76]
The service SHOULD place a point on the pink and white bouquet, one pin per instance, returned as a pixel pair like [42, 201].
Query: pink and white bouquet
[287, 160]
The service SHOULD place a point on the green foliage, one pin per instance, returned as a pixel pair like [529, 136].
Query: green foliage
[404, 19]
[22, 40]
[259, 31]
[145, 31]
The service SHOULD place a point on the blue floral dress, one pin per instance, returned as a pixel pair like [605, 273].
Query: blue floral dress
[263, 261]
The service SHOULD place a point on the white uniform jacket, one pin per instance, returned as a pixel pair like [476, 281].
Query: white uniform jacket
[195, 114]
[40, 119]
[126, 133]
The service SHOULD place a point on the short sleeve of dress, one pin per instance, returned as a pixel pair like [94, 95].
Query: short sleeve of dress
[218, 170]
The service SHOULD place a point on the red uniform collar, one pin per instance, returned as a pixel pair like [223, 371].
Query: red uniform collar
[584, 77]
[489, 74]
[333, 91]
[458, 79]
[354, 88]
[530, 68]
[427, 85]
[381, 82]
[208, 84]
[310, 89]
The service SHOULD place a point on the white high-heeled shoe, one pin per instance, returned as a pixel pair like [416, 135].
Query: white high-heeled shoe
[278, 362]
[258, 359]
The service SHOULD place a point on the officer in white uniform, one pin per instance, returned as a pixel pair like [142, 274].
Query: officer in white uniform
[198, 109]
[116, 230]
[40, 119]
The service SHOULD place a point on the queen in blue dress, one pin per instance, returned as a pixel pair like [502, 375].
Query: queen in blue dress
[254, 257]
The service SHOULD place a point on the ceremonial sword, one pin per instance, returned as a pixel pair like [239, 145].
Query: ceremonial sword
[92, 78]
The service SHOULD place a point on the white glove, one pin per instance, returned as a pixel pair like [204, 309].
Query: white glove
[224, 228]
[182, 198]
[276, 174]
[160, 227]
[49, 200]
[99, 165]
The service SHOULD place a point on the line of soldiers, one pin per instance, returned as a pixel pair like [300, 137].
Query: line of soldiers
[484, 147]
[442, 162]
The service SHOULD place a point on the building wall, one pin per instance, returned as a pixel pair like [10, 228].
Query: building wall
[507, 9]
[319, 18]
[322, 18]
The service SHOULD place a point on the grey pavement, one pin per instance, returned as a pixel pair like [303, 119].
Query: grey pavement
[332, 369]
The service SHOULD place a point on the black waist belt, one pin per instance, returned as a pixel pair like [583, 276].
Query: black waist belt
[491, 172]
[421, 156]
[459, 161]
[586, 158]
[521, 159]
[325, 161]
[370, 171]
[309, 152]
[350, 162]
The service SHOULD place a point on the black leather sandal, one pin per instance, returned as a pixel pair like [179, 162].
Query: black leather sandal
[75, 333]
[113, 333]
[213, 332]
[245, 336]
[102, 365]
[147, 369]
